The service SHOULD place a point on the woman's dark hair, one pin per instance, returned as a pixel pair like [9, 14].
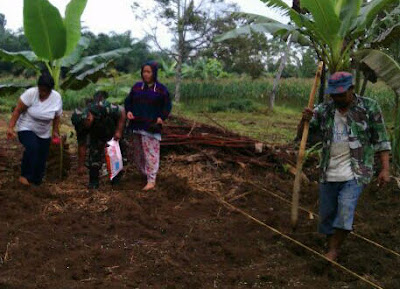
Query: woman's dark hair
[46, 80]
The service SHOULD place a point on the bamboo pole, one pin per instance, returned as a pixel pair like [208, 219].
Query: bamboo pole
[300, 158]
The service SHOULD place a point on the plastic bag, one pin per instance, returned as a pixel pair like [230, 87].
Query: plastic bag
[113, 158]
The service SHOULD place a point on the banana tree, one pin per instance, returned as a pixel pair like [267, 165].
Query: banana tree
[168, 70]
[388, 70]
[56, 43]
[334, 28]
[50, 36]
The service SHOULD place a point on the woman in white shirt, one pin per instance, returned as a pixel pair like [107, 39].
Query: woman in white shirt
[37, 109]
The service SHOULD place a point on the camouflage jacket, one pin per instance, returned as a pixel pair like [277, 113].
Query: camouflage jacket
[367, 135]
[106, 116]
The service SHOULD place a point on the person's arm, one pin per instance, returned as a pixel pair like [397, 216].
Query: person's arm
[313, 117]
[166, 107]
[128, 106]
[121, 124]
[56, 126]
[57, 119]
[21, 107]
[380, 140]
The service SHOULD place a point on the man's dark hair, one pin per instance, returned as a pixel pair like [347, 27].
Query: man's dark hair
[100, 95]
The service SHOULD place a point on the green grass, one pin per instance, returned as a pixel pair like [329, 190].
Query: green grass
[277, 127]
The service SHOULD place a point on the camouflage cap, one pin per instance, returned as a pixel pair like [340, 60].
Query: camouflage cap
[339, 82]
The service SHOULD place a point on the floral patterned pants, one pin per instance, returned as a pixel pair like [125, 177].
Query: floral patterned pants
[146, 155]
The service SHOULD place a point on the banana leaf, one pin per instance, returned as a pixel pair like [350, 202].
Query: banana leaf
[8, 89]
[75, 56]
[77, 82]
[384, 66]
[91, 62]
[44, 28]
[25, 58]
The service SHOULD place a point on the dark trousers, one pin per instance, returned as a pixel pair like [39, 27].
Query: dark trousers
[33, 164]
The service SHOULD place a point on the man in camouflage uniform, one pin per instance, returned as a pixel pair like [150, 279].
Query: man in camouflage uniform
[95, 125]
[351, 129]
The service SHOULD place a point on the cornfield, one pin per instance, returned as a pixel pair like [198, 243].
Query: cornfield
[292, 92]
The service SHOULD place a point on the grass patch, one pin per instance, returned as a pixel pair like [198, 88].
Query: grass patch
[272, 127]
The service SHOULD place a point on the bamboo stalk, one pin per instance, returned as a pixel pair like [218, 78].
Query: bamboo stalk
[299, 167]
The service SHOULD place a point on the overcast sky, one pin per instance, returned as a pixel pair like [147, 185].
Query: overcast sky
[117, 15]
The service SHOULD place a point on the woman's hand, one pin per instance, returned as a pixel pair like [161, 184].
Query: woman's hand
[160, 121]
[21, 107]
[130, 116]
[55, 138]
[56, 134]
[11, 133]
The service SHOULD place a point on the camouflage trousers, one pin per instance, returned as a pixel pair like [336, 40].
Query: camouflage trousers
[95, 159]
[95, 154]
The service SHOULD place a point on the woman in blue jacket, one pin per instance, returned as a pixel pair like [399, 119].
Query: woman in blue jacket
[147, 106]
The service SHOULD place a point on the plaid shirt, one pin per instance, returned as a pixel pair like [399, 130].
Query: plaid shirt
[367, 135]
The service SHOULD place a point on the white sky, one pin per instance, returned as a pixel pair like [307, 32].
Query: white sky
[116, 15]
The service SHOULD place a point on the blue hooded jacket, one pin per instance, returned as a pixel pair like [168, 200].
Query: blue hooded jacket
[147, 103]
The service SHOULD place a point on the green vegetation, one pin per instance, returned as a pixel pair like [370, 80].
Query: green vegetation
[241, 94]
[278, 127]
[238, 104]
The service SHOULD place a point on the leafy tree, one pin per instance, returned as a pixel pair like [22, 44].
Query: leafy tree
[308, 63]
[245, 54]
[3, 23]
[127, 63]
[189, 24]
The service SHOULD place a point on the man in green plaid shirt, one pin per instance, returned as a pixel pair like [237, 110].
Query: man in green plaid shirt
[351, 129]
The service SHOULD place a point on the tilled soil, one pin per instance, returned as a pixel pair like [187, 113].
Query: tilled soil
[60, 235]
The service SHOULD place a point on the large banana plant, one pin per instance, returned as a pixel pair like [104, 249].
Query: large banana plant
[56, 43]
[388, 70]
[332, 27]
[168, 70]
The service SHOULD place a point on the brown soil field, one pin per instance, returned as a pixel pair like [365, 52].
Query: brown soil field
[60, 235]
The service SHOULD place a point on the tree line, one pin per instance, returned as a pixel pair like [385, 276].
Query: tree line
[254, 55]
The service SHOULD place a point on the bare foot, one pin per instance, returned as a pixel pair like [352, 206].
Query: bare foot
[149, 187]
[24, 181]
[332, 255]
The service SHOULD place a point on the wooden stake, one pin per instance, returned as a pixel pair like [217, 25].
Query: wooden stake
[300, 158]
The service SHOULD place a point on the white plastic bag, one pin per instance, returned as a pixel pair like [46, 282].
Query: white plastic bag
[113, 158]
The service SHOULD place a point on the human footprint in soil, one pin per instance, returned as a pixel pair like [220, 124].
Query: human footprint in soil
[147, 106]
[351, 129]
